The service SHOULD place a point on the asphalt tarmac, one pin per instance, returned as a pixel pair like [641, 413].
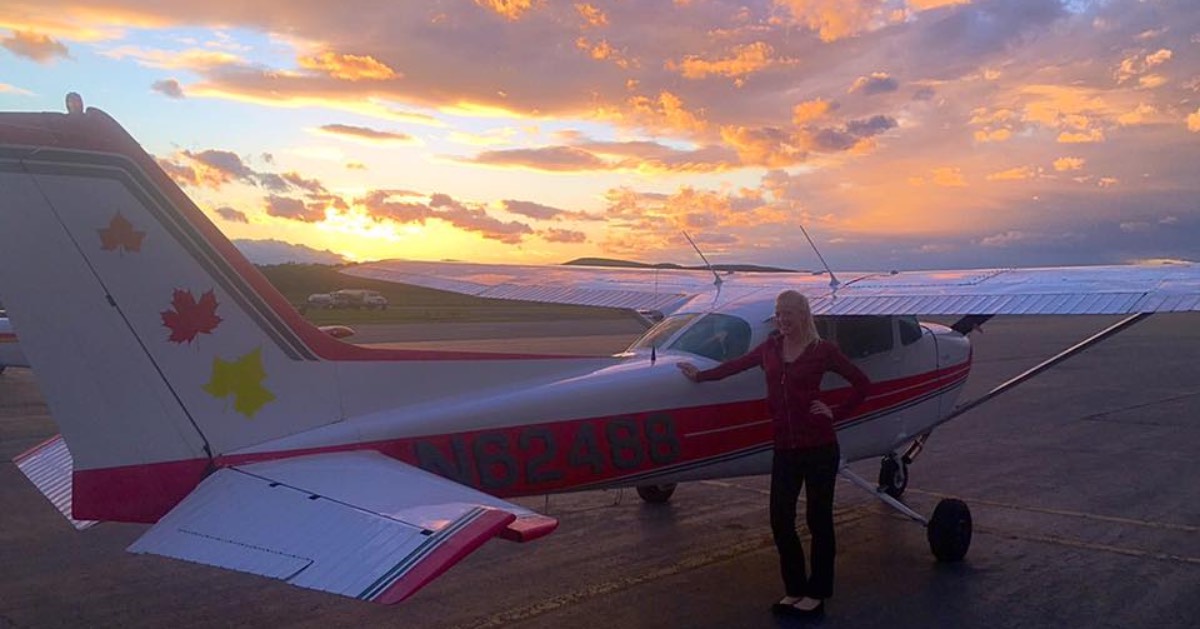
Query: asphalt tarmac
[1082, 484]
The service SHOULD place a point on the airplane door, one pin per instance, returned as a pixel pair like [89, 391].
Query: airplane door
[916, 363]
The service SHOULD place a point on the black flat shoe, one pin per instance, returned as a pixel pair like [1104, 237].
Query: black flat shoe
[782, 607]
[816, 612]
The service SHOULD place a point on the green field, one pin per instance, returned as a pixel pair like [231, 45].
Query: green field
[412, 304]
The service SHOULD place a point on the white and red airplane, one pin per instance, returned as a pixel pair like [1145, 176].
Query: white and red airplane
[191, 395]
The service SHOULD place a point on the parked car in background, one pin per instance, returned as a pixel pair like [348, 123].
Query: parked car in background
[355, 298]
[320, 300]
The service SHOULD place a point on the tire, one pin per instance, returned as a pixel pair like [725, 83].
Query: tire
[949, 530]
[893, 476]
[656, 494]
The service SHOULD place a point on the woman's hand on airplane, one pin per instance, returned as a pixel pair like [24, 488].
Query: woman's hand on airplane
[689, 370]
[820, 408]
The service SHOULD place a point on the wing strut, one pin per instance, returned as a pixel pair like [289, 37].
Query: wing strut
[1111, 330]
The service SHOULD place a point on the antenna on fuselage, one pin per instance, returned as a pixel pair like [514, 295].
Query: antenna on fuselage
[717, 281]
[834, 282]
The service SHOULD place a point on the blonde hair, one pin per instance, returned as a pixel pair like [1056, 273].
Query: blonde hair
[792, 299]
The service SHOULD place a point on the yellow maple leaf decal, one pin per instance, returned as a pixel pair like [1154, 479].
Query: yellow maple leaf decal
[242, 379]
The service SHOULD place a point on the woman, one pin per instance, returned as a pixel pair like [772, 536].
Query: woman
[806, 449]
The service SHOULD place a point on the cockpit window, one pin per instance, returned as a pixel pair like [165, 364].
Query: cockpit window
[662, 331]
[716, 336]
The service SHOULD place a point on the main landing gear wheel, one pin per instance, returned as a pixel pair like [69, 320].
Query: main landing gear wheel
[656, 494]
[893, 475]
[949, 530]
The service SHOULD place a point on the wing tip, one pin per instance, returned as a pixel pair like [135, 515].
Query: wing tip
[450, 551]
[528, 528]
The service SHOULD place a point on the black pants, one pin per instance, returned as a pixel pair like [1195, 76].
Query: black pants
[814, 469]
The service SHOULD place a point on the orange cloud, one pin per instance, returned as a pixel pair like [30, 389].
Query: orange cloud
[1143, 113]
[876, 83]
[510, 9]
[810, 111]
[591, 15]
[562, 235]
[720, 222]
[269, 94]
[744, 60]
[925, 5]
[1193, 121]
[603, 51]
[197, 59]
[1081, 137]
[366, 134]
[38, 47]
[1064, 164]
[552, 158]
[1139, 63]
[769, 147]
[994, 135]
[348, 67]
[667, 112]
[5, 88]
[834, 19]
[75, 22]
[1013, 174]
[948, 176]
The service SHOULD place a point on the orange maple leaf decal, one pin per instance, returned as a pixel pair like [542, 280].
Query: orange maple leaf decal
[189, 317]
[120, 233]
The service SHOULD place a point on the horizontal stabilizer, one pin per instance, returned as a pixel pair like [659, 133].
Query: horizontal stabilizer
[357, 524]
[49, 467]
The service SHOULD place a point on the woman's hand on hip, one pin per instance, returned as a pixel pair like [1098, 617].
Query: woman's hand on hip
[820, 408]
[689, 370]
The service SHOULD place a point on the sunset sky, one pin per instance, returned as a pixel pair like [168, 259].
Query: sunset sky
[903, 134]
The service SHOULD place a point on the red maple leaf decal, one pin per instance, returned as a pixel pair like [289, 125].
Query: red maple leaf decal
[189, 317]
[120, 233]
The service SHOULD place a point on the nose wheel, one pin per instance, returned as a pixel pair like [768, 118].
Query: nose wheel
[893, 475]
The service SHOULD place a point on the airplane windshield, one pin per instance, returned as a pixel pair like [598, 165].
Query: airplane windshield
[663, 330]
[716, 336]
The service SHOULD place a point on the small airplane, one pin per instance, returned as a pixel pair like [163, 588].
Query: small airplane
[190, 395]
[10, 350]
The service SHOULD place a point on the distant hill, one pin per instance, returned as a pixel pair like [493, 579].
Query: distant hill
[271, 251]
[741, 268]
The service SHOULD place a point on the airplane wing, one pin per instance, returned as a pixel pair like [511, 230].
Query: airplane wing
[358, 524]
[1113, 289]
[662, 290]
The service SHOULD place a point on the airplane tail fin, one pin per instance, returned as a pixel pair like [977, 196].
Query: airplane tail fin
[156, 344]
[158, 347]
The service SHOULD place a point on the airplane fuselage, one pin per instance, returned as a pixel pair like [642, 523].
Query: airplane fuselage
[639, 421]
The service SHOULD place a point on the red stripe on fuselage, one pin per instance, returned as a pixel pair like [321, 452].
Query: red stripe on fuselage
[515, 460]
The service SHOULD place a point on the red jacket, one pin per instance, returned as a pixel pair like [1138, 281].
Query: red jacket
[792, 387]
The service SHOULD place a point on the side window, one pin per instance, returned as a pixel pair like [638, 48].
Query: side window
[716, 336]
[824, 327]
[861, 336]
[910, 330]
